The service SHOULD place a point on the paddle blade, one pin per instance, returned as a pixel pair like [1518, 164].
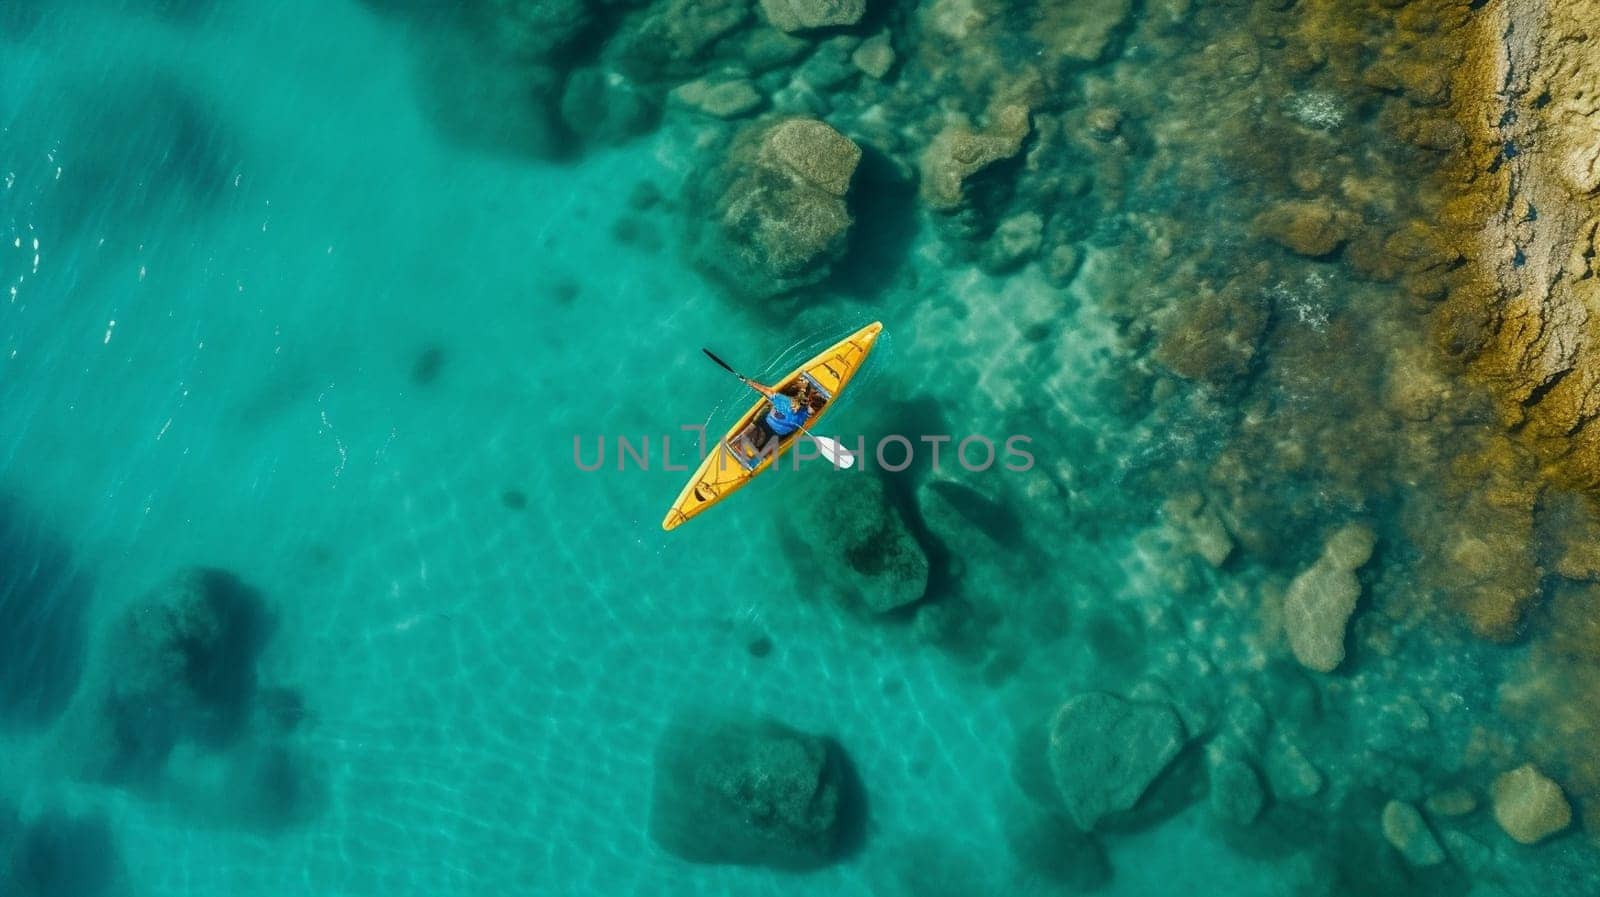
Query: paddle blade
[837, 455]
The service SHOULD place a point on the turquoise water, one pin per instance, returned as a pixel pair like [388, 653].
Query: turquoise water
[264, 312]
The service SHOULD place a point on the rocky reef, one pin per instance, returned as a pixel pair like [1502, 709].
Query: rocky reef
[1525, 222]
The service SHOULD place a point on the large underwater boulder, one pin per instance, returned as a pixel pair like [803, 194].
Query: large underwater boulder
[1529, 806]
[780, 219]
[869, 559]
[179, 665]
[1106, 751]
[1321, 599]
[958, 153]
[750, 793]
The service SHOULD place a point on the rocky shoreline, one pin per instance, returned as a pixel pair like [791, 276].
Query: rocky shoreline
[1531, 104]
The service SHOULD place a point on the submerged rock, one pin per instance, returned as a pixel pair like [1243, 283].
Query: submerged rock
[1304, 227]
[1236, 793]
[875, 56]
[804, 15]
[675, 37]
[781, 218]
[1106, 751]
[749, 793]
[1082, 31]
[1290, 773]
[765, 49]
[871, 560]
[720, 99]
[1529, 806]
[1405, 830]
[605, 107]
[1216, 337]
[1062, 264]
[178, 666]
[830, 67]
[1014, 243]
[814, 151]
[958, 153]
[1322, 598]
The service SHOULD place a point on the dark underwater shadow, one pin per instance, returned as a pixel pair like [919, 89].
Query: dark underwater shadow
[911, 418]
[58, 855]
[995, 519]
[175, 12]
[517, 81]
[111, 149]
[1348, 856]
[854, 812]
[44, 600]
[884, 204]
[18, 18]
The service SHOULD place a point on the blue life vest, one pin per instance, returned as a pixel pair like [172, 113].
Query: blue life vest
[785, 418]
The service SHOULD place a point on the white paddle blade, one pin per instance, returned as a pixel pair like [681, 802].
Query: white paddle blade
[837, 455]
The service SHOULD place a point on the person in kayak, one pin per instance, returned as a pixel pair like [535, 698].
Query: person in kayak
[787, 414]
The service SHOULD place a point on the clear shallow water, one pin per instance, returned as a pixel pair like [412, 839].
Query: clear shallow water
[277, 323]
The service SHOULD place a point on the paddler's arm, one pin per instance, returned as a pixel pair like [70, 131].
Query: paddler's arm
[767, 391]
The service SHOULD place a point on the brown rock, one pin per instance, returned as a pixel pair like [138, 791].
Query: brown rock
[803, 15]
[1405, 830]
[815, 152]
[1529, 806]
[875, 56]
[1214, 338]
[958, 152]
[1305, 227]
[778, 218]
[727, 99]
[1320, 600]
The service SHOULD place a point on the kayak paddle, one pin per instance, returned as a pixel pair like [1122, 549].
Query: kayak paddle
[837, 455]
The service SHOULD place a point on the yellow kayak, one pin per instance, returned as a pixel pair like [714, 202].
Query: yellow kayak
[744, 452]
